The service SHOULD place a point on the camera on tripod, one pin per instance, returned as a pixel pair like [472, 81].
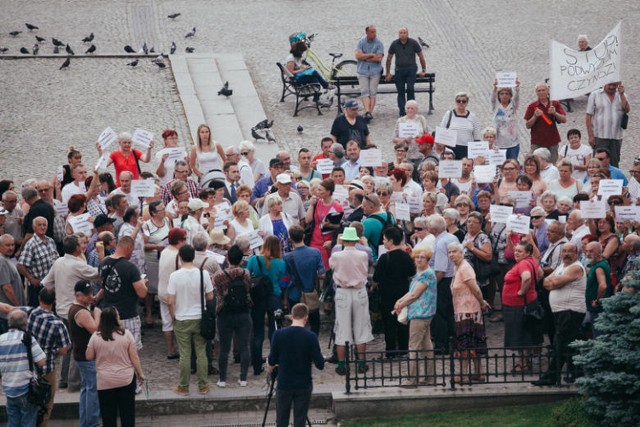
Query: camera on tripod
[278, 318]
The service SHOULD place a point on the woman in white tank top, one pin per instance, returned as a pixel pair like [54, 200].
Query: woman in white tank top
[207, 154]
[240, 223]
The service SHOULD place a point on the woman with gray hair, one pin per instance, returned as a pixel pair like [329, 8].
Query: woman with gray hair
[468, 305]
[247, 151]
[126, 158]
[451, 217]
[417, 122]
[464, 122]
[421, 238]
[505, 102]
[276, 222]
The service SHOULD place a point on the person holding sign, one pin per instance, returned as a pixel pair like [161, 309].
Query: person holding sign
[126, 158]
[462, 121]
[167, 159]
[505, 102]
[541, 117]
[410, 126]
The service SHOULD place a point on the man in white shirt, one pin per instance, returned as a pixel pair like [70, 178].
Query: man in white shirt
[125, 188]
[576, 228]
[231, 180]
[352, 165]
[464, 182]
[244, 168]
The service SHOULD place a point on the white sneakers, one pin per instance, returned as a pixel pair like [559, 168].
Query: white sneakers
[242, 383]
[221, 384]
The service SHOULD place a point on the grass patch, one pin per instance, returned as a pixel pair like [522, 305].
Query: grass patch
[524, 416]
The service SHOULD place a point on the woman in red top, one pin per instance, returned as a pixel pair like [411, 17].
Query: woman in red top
[321, 205]
[126, 159]
[519, 289]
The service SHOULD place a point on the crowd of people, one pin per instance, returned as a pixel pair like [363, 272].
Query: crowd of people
[88, 258]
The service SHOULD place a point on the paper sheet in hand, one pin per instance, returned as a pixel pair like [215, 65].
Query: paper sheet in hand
[450, 169]
[506, 79]
[371, 157]
[106, 138]
[324, 166]
[255, 241]
[102, 162]
[631, 213]
[497, 157]
[446, 136]
[219, 258]
[519, 223]
[484, 174]
[593, 208]
[610, 187]
[142, 138]
[175, 153]
[500, 214]
[81, 224]
[415, 204]
[143, 187]
[477, 149]
[403, 211]
[634, 189]
[408, 130]
[521, 198]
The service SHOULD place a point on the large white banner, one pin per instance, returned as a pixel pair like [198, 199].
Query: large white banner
[574, 73]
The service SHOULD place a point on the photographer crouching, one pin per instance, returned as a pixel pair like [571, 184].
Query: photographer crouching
[293, 349]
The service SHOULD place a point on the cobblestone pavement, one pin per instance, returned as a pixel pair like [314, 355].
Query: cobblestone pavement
[46, 110]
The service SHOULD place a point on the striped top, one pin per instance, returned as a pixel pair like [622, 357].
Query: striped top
[14, 364]
[606, 115]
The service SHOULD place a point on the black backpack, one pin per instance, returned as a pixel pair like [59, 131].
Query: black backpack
[261, 286]
[237, 299]
[385, 224]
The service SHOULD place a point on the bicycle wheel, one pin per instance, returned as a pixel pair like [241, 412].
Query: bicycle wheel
[345, 68]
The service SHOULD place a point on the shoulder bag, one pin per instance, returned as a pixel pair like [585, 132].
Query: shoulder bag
[308, 227]
[39, 392]
[261, 286]
[208, 311]
[485, 270]
[310, 299]
[533, 312]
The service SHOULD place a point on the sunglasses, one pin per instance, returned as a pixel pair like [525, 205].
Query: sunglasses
[382, 194]
[461, 101]
[509, 169]
[418, 228]
[536, 217]
[505, 204]
[245, 153]
[614, 202]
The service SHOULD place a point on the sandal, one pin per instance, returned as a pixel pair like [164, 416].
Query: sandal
[521, 369]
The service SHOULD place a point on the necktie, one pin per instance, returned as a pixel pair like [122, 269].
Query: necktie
[233, 192]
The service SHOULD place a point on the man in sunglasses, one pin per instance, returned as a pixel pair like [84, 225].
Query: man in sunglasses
[604, 155]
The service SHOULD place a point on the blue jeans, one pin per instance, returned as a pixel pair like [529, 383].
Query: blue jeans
[405, 79]
[21, 413]
[513, 152]
[257, 317]
[89, 401]
[316, 77]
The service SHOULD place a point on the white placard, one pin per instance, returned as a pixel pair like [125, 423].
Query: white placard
[324, 166]
[255, 241]
[450, 169]
[477, 149]
[371, 157]
[61, 209]
[221, 217]
[177, 222]
[521, 198]
[175, 153]
[408, 130]
[634, 189]
[102, 162]
[60, 173]
[142, 137]
[340, 193]
[593, 209]
[610, 187]
[497, 157]
[624, 213]
[500, 214]
[484, 174]
[403, 211]
[397, 196]
[415, 204]
[81, 224]
[143, 187]
[518, 223]
[506, 79]
[219, 258]
[562, 219]
[106, 138]
[446, 136]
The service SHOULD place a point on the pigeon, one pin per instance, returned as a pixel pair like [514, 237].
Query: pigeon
[91, 49]
[159, 58]
[173, 48]
[423, 43]
[145, 49]
[133, 63]
[31, 27]
[129, 49]
[174, 16]
[161, 65]
[225, 90]
[24, 50]
[300, 129]
[69, 50]
[66, 63]
[191, 33]
[56, 49]
[256, 135]
[152, 50]
[35, 49]
[56, 42]
[88, 39]
[40, 39]
[15, 33]
[190, 49]
[4, 49]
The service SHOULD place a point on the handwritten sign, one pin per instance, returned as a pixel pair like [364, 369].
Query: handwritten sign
[143, 187]
[403, 211]
[371, 157]
[81, 223]
[593, 208]
[497, 157]
[415, 204]
[574, 73]
[142, 138]
[518, 223]
[506, 79]
[446, 136]
[174, 153]
[500, 214]
[478, 149]
[610, 187]
[408, 130]
[628, 213]
[484, 174]
[324, 166]
[61, 209]
[450, 169]
[521, 198]
[106, 138]
[255, 241]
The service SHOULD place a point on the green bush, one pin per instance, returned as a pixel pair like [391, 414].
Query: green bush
[571, 413]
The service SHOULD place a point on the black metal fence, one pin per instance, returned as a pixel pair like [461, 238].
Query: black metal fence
[494, 365]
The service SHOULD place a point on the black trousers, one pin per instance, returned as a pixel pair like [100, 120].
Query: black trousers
[442, 325]
[122, 400]
[396, 335]
[299, 399]
[567, 330]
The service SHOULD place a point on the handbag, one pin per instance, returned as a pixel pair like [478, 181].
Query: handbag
[208, 311]
[261, 286]
[310, 299]
[39, 392]
[485, 270]
[403, 316]
[625, 120]
[308, 228]
[532, 312]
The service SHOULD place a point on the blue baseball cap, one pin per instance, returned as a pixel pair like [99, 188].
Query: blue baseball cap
[352, 104]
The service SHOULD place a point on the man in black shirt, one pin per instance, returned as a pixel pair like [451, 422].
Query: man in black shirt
[350, 126]
[405, 49]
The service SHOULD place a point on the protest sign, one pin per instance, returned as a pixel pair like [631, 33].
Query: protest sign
[450, 169]
[324, 166]
[142, 138]
[484, 174]
[143, 187]
[593, 209]
[477, 149]
[497, 157]
[630, 213]
[403, 211]
[106, 138]
[500, 214]
[506, 79]
[81, 223]
[610, 187]
[446, 136]
[518, 223]
[408, 130]
[371, 157]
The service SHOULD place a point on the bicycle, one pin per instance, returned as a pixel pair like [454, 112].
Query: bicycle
[329, 72]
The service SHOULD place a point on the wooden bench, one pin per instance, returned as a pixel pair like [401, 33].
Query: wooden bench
[304, 93]
[348, 86]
